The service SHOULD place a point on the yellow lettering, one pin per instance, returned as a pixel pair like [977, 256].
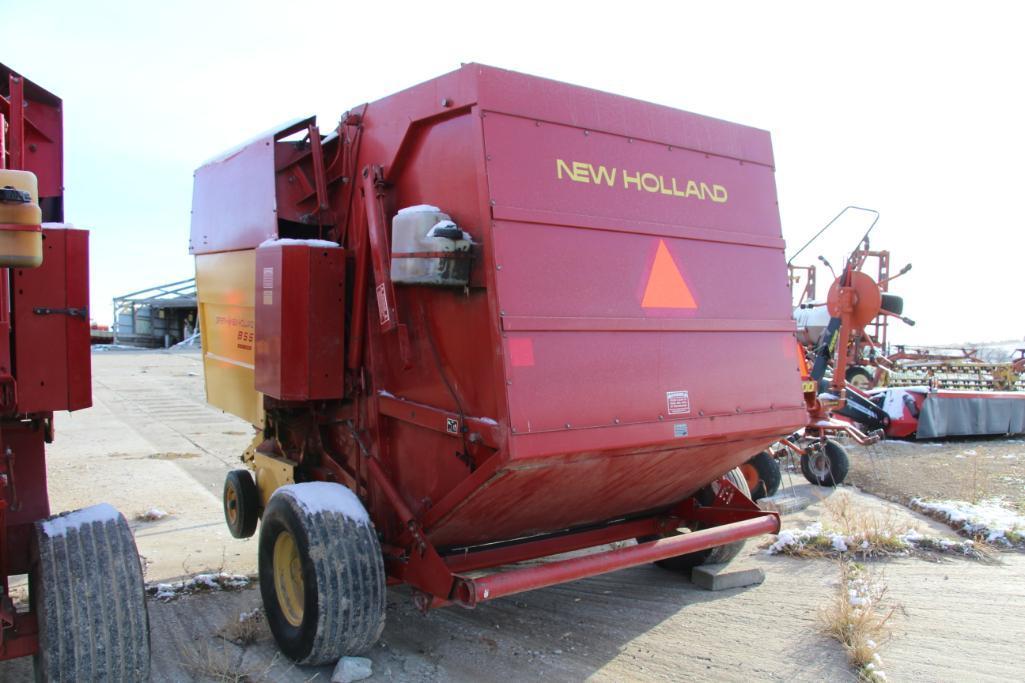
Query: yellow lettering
[651, 186]
[603, 175]
[581, 171]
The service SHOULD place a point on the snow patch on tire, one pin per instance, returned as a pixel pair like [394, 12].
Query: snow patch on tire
[74, 521]
[320, 496]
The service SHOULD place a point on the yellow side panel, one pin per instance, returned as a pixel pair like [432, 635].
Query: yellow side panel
[225, 286]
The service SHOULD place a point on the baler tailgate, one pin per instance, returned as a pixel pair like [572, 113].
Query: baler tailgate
[627, 270]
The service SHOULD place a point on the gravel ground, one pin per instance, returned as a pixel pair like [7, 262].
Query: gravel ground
[960, 469]
[150, 441]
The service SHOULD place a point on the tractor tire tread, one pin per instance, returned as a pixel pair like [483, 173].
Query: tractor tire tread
[89, 595]
[350, 582]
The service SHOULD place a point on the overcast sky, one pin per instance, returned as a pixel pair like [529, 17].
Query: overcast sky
[914, 109]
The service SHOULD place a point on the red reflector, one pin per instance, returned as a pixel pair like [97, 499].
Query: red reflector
[521, 352]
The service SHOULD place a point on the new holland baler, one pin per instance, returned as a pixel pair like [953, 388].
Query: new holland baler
[489, 319]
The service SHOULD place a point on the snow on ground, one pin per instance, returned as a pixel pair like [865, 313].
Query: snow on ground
[165, 592]
[152, 515]
[816, 539]
[988, 518]
[320, 496]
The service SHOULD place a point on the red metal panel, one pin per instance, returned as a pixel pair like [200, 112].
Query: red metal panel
[586, 364]
[546, 100]
[51, 303]
[26, 497]
[565, 169]
[561, 491]
[43, 137]
[233, 200]
[300, 319]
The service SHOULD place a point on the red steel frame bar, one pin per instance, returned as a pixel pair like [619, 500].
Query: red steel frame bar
[16, 142]
[472, 591]
[19, 630]
[373, 177]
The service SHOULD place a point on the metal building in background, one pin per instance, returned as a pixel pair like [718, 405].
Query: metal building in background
[159, 316]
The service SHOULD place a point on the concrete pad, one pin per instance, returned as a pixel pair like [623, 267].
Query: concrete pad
[720, 577]
[785, 503]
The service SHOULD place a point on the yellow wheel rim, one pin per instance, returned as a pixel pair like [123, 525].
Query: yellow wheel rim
[288, 578]
[231, 503]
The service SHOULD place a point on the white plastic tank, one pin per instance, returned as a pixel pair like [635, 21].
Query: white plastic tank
[428, 248]
[811, 323]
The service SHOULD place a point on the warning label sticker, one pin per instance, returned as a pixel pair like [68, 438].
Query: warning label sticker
[677, 402]
[680, 430]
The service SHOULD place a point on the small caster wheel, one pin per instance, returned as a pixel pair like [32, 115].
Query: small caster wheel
[241, 503]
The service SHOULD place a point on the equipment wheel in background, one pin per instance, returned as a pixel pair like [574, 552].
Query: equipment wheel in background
[827, 465]
[859, 377]
[87, 591]
[321, 573]
[717, 555]
[241, 503]
[762, 475]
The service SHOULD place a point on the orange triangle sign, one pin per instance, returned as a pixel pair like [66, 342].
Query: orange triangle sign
[666, 286]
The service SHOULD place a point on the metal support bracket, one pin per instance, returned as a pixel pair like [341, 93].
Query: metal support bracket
[82, 313]
[384, 289]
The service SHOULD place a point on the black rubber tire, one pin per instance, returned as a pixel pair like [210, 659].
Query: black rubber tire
[892, 303]
[343, 577]
[246, 503]
[856, 372]
[831, 470]
[719, 554]
[769, 475]
[87, 591]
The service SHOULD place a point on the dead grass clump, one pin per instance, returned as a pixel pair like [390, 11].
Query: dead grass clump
[858, 617]
[219, 664]
[245, 629]
[880, 530]
[862, 532]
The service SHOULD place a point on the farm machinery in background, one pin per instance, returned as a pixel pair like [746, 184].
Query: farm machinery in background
[924, 393]
[86, 615]
[860, 383]
[835, 339]
[484, 321]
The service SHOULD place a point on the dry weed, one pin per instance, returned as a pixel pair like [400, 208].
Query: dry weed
[977, 485]
[850, 530]
[245, 629]
[216, 663]
[858, 617]
[882, 530]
